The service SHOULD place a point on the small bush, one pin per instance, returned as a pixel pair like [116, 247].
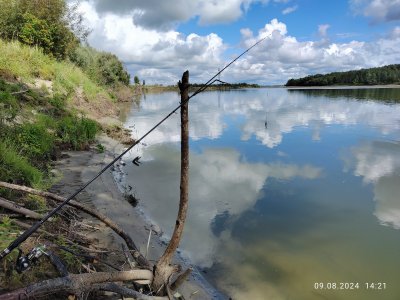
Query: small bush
[76, 133]
[103, 67]
[35, 140]
[16, 168]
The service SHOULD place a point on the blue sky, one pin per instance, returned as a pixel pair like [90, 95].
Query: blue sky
[157, 40]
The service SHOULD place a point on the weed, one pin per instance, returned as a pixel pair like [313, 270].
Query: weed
[16, 168]
[77, 133]
[100, 148]
[36, 203]
[35, 140]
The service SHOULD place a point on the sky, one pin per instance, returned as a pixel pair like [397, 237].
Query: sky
[158, 40]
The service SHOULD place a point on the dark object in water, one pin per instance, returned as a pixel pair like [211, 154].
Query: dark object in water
[132, 200]
[136, 161]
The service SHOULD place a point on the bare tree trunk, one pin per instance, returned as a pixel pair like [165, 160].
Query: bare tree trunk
[76, 283]
[94, 213]
[163, 270]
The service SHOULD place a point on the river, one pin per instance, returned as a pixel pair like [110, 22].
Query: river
[294, 194]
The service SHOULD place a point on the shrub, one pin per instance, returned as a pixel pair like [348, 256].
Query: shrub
[35, 141]
[52, 25]
[16, 168]
[76, 133]
[102, 67]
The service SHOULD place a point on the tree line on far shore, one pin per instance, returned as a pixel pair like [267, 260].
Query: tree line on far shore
[389, 74]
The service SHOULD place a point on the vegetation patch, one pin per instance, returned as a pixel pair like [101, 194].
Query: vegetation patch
[374, 76]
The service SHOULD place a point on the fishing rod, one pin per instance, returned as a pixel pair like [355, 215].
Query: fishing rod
[20, 239]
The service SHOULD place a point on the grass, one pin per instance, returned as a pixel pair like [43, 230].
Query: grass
[16, 168]
[27, 148]
[29, 63]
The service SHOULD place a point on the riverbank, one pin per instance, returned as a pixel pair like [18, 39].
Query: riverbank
[80, 166]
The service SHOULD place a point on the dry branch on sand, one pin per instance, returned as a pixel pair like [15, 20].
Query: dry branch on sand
[83, 283]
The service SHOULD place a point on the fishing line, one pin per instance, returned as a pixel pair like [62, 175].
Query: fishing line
[36, 226]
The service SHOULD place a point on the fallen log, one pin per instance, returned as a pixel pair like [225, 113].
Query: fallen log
[79, 283]
[7, 204]
[142, 261]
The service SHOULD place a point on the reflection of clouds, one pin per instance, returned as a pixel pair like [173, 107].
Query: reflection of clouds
[379, 163]
[205, 118]
[220, 183]
[282, 111]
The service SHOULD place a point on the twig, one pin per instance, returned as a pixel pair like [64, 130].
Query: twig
[148, 244]
[19, 92]
[128, 259]
[94, 213]
[41, 231]
[89, 257]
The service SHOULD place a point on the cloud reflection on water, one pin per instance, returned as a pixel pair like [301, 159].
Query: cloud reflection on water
[379, 164]
[268, 115]
[224, 187]
[220, 183]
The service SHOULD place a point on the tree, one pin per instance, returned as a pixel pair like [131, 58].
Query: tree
[111, 69]
[136, 80]
[50, 24]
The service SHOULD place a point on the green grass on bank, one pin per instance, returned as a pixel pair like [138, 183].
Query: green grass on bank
[29, 63]
[32, 130]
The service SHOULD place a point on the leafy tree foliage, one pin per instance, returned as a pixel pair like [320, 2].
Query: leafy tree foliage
[48, 24]
[389, 74]
[136, 80]
[103, 67]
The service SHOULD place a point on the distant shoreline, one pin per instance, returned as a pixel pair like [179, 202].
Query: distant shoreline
[330, 87]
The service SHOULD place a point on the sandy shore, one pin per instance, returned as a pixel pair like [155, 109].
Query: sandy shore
[80, 166]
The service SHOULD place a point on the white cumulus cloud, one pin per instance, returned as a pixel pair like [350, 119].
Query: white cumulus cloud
[378, 10]
[159, 54]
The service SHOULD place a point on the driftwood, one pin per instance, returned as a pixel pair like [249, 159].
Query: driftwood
[78, 283]
[142, 261]
[19, 209]
[164, 269]
[123, 291]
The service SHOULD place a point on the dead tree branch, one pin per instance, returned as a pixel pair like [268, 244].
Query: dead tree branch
[123, 291]
[77, 283]
[142, 261]
[163, 269]
[19, 209]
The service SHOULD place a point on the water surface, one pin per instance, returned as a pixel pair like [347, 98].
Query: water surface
[288, 188]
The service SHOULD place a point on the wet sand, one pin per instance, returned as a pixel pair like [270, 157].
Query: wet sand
[77, 168]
